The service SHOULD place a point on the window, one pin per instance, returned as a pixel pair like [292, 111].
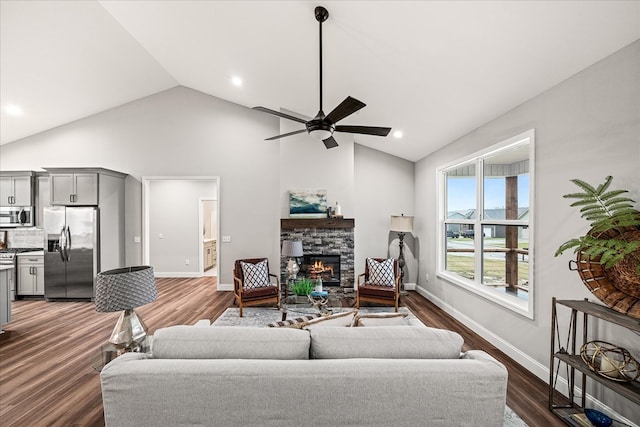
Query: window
[485, 224]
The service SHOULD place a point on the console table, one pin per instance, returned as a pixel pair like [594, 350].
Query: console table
[571, 355]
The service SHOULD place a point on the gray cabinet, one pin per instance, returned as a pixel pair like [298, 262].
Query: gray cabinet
[74, 189]
[30, 275]
[5, 298]
[16, 190]
[43, 197]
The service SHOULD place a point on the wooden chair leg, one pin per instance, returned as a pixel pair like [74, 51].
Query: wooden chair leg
[240, 304]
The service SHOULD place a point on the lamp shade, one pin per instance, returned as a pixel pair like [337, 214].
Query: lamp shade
[292, 248]
[401, 224]
[125, 288]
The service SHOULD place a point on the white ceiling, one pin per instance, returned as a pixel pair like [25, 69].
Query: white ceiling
[433, 69]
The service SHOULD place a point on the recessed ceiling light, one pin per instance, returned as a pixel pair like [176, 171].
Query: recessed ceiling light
[397, 134]
[237, 81]
[13, 110]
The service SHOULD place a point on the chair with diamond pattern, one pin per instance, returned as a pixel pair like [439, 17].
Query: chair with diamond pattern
[380, 282]
[253, 283]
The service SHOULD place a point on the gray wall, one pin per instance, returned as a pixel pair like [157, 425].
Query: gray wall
[587, 127]
[384, 187]
[182, 132]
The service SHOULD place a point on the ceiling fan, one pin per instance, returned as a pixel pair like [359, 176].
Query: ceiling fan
[322, 126]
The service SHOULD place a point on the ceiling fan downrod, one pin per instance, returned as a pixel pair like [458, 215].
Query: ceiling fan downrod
[322, 15]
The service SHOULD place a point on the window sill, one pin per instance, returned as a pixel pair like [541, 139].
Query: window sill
[517, 305]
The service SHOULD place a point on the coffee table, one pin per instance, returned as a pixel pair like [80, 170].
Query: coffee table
[335, 302]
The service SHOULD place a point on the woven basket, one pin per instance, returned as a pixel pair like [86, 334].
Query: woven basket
[617, 287]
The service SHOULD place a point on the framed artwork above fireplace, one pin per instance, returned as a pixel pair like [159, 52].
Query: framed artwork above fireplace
[308, 203]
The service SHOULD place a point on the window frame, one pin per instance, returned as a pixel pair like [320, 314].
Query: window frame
[513, 303]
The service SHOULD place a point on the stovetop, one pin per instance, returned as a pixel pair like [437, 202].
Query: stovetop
[18, 250]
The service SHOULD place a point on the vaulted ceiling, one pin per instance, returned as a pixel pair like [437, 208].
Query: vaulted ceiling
[434, 70]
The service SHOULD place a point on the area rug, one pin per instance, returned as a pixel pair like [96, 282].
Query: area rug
[255, 316]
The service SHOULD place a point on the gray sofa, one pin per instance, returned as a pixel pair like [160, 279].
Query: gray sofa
[324, 376]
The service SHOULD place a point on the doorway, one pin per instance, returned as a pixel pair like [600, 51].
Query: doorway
[173, 224]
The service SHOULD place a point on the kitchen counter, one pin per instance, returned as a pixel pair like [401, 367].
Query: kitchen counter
[32, 253]
[5, 267]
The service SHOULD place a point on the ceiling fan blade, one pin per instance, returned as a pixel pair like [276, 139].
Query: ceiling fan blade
[330, 142]
[286, 134]
[279, 114]
[364, 130]
[346, 108]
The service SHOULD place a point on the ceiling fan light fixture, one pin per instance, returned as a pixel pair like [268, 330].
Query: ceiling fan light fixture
[320, 134]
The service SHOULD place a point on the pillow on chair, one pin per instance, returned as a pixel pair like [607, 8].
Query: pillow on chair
[255, 275]
[381, 273]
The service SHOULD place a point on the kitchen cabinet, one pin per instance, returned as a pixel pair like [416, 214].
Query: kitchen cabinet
[16, 189]
[43, 197]
[571, 355]
[30, 275]
[74, 189]
[209, 254]
[5, 299]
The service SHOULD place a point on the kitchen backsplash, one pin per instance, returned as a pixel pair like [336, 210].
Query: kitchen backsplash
[25, 238]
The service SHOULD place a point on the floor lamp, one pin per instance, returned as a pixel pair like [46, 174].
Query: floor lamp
[401, 225]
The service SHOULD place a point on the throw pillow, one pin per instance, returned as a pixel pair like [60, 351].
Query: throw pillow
[255, 275]
[381, 273]
[337, 319]
[297, 323]
[379, 319]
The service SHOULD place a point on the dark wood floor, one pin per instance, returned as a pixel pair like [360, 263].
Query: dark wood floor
[47, 378]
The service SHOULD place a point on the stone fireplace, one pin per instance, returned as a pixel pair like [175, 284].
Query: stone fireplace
[326, 239]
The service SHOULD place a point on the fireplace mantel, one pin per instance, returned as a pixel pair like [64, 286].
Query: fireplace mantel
[293, 223]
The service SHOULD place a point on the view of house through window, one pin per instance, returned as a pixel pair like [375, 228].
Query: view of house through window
[485, 227]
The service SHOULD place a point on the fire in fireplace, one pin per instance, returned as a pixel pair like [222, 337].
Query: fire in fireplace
[326, 267]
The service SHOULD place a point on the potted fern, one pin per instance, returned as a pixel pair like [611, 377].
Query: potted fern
[608, 256]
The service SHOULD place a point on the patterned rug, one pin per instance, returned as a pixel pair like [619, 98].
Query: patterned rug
[253, 316]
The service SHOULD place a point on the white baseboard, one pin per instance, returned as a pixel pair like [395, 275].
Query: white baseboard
[225, 287]
[177, 274]
[530, 364]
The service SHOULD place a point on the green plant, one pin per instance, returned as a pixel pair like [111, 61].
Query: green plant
[610, 214]
[303, 287]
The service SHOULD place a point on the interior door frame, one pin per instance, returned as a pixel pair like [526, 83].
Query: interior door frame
[146, 183]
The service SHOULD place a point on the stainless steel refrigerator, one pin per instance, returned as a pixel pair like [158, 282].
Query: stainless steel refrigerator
[71, 258]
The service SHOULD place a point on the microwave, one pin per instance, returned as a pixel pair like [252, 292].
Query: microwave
[16, 216]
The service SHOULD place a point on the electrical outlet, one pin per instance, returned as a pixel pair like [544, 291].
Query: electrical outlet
[136, 239]
[226, 239]
[428, 277]
[186, 261]
[160, 236]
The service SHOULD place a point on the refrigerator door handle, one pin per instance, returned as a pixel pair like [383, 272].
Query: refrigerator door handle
[62, 243]
[68, 255]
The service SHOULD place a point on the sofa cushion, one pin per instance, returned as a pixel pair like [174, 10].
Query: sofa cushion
[188, 342]
[390, 342]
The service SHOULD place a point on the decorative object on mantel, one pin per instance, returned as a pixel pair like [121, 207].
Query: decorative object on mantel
[610, 361]
[401, 225]
[308, 203]
[608, 256]
[292, 249]
[125, 289]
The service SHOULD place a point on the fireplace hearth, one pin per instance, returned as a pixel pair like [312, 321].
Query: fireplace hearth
[325, 267]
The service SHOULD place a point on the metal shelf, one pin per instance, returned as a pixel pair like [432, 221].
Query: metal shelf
[629, 390]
